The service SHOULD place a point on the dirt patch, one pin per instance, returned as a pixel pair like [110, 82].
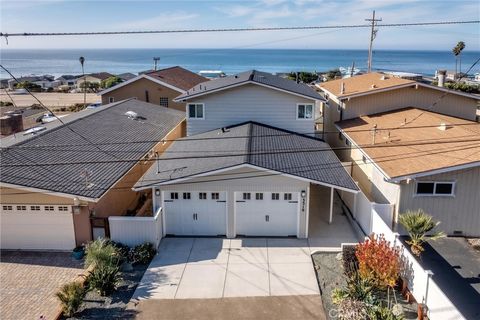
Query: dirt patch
[474, 242]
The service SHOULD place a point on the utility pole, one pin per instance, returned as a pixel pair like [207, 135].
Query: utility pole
[82, 61]
[373, 34]
[155, 61]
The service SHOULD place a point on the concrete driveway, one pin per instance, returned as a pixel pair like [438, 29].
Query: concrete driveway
[199, 268]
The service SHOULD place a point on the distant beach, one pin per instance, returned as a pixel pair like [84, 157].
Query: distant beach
[58, 62]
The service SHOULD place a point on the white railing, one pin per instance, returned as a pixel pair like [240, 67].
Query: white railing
[136, 230]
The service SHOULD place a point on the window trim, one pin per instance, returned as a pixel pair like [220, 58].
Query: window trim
[434, 194]
[305, 104]
[196, 104]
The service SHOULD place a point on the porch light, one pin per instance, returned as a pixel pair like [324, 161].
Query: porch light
[157, 192]
[303, 193]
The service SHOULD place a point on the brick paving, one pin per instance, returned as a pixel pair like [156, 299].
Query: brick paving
[29, 280]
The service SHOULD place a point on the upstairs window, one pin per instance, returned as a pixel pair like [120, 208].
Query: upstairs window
[164, 102]
[435, 188]
[195, 111]
[304, 111]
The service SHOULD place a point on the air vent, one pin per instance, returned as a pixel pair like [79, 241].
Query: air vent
[457, 232]
[132, 115]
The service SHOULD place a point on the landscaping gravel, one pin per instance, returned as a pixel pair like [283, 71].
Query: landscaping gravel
[112, 307]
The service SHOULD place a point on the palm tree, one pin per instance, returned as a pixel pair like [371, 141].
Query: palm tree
[457, 51]
[418, 224]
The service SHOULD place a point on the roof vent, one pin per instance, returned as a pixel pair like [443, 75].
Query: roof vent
[374, 86]
[132, 115]
[442, 126]
[383, 77]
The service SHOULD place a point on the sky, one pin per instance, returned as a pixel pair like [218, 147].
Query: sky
[110, 15]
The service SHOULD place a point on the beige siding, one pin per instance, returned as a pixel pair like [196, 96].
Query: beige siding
[461, 212]
[423, 98]
[247, 180]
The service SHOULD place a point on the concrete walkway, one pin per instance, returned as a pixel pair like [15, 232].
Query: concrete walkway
[200, 268]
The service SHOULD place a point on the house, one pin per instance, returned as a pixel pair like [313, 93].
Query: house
[249, 164]
[59, 185]
[67, 80]
[418, 159]
[126, 76]
[372, 93]
[251, 96]
[157, 87]
[45, 81]
[92, 78]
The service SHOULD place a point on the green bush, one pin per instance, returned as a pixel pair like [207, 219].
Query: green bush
[71, 297]
[5, 103]
[101, 253]
[104, 278]
[143, 253]
[122, 250]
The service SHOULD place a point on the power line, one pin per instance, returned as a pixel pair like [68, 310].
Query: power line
[352, 26]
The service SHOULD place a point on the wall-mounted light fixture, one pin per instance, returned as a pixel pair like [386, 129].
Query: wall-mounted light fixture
[157, 192]
[76, 205]
[303, 193]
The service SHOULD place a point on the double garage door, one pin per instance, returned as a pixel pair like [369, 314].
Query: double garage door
[256, 213]
[37, 227]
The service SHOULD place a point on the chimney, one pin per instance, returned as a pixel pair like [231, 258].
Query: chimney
[441, 77]
[342, 88]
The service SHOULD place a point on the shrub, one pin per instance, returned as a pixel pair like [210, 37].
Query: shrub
[123, 251]
[104, 278]
[143, 253]
[378, 262]
[101, 253]
[71, 297]
[418, 224]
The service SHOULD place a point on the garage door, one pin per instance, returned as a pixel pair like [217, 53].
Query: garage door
[37, 227]
[266, 213]
[195, 213]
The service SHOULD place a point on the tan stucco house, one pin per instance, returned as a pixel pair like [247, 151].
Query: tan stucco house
[157, 87]
[58, 186]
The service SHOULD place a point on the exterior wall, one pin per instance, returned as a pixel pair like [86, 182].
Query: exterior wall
[423, 98]
[460, 212]
[250, 103]
[332, 115]
[137, 89]
[244, 180]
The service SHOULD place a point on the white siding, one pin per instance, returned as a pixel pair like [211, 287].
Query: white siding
[461, 212]
[250, 103]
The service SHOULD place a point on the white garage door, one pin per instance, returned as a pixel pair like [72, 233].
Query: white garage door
[266, 213]
[195, 213]
[37, 227]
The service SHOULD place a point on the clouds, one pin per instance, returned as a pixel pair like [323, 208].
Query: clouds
[170, 20]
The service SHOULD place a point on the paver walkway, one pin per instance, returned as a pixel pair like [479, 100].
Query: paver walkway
[29, 280]
[187, 268]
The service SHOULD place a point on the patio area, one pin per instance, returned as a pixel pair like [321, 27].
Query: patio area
[325, 236]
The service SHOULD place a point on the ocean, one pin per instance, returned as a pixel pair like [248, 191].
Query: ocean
[65, 61]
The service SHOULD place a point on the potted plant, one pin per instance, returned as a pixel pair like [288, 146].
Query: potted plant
[418, 224]
[78, 252]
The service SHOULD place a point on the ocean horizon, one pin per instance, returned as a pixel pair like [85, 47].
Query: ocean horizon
[56, 62]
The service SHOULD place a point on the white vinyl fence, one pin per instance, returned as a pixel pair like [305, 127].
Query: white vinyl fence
[136, 230]
[377, 218]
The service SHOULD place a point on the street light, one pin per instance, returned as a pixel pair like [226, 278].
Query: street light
[82, 61]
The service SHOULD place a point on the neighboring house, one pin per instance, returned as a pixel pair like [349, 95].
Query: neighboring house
[67, 80]
[58, 186]
[4, 83]
[248, 179]
[93, 78]
[252, 96]
[45, 81]
[126, 76]
[158, 87]
[375, 92]
[417, 159]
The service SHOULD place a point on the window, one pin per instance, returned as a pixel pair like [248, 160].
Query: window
[111, 99]
[275, 196]
[259, 196]
[21, 208]
[7, 208]
[304, 111]
[174, 195]
[35, 208]
[62, 208]
[215, 196]
[246, 196]
[48, 208]
[195, 111]
[164, 102]
[202, 195]
[287, 196]
[435, 188]
[187, 196]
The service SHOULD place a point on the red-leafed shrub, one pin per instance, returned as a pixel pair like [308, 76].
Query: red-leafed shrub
[378, 262]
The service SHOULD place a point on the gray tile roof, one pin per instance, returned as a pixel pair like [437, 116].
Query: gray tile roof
[252, 76]
[56, 159]
[250, 143]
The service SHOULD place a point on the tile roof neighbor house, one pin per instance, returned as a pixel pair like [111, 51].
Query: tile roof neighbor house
[254, 179]
[158, 87]
[414, 159]
[71, 177]
[93, 78]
